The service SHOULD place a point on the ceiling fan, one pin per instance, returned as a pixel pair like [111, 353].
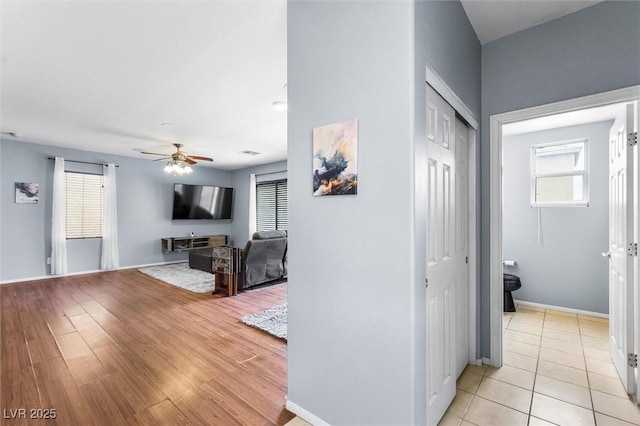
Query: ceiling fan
[179, 162]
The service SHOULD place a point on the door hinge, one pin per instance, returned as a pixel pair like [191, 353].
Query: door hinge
[466, 259]
[632, 138]
[632, 360]
[632, 250]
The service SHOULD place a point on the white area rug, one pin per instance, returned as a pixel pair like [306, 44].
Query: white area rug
[180, 275]
[273, 321]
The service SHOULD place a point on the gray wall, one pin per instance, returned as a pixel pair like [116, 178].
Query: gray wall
[240, 182]
[591, 51]
[145, 197]
[566, 269]
[356, 346]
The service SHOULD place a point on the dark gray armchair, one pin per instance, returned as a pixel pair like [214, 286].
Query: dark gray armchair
[264, 259]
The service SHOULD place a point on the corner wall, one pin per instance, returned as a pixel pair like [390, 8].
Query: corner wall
[567, 268]
[145, 197]
[591, 51]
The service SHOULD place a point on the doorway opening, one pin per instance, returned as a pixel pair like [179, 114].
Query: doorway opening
[499, 130]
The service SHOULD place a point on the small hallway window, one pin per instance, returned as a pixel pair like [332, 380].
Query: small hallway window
[559, 176]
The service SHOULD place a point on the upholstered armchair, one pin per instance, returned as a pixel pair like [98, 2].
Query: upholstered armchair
[264, 259]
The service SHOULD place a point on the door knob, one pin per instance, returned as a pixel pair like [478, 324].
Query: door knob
[607, 254]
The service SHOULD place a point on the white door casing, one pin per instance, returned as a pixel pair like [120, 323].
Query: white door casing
[621, 291]
[441, 291]
[461, 257]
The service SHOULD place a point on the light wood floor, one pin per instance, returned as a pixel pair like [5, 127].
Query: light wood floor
[123, 348]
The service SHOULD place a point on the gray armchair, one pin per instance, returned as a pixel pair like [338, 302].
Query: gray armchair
[264, 259]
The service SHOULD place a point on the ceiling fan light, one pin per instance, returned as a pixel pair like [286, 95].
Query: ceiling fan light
[168, 168]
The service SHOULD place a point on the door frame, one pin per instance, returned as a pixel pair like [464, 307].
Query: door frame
[626, 94]
[435, 81]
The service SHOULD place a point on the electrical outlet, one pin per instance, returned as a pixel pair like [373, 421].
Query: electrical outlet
[48, 261]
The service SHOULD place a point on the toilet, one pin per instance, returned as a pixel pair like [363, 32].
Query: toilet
[511, 283]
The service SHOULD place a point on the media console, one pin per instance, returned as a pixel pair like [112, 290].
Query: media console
[172, 244]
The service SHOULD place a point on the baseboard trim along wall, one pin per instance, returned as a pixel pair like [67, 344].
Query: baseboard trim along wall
[305, 415]
[46, 277]
[561, 309]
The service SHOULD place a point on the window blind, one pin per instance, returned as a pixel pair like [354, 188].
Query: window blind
[272, 206]
[84, 201]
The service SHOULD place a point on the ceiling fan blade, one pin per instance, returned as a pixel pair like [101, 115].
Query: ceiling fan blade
[190, 161]
[152, 153]
[162, 159]
[197, 157]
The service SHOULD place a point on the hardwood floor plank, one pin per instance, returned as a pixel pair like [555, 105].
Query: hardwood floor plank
[123, 348]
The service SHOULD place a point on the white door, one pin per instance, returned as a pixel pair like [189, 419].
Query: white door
[621, 291]
[441, 256]
[461, 257]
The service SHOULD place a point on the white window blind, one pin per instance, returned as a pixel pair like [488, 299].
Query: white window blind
[84, 202]
[271, 206]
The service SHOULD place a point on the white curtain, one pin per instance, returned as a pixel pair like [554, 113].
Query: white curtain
[252, 204]
[110, 258]
[58, 221]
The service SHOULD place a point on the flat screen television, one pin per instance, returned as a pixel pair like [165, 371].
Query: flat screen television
[201, 202]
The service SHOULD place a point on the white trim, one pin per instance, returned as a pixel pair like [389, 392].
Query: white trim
[486, 361]
[94, 271]
[304, 414]
[560, 308]
[627, 94]
[434, 80]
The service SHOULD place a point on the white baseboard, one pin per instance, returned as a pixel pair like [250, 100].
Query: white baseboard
[561, 309]
[477, 362]
[71, 274]
[486, 361]
[304, 414]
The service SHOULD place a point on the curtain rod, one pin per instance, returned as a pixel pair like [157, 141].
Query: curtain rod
[83, 162]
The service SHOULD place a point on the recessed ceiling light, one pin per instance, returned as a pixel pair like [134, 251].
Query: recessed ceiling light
[280, 105]
[166, 124]
[12, 134]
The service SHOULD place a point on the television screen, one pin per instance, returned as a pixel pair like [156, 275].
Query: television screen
[201, 202]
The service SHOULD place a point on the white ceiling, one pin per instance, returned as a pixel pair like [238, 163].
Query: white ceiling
[103, 76]
[496, 19]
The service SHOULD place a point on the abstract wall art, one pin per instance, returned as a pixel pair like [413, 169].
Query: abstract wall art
[335, 159]
[26, 193]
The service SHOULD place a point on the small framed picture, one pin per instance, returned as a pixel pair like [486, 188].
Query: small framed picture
[26, 193]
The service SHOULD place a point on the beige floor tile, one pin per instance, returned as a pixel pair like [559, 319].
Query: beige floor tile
[606, 384]
[460, 403]
[604, 420]
[449, 420]
[534, 421]
[593, 319]
[598, 354]
[553, 312]
[559, 357]
[522, 307]
[469, 381]
[562, 372]
[520, 361]
[620, 408]
[559, 412]
[560, 319]
[466, 423]
[525, 327]
[562, 326]
[484, 412]
[512, 375]
[564, 391]
[477, 369]
[592, 342]
[297, 421]
[521, 348]
[562, 345]
[518, 336]
[561, 335]
[605, 368]
[505, 394]
[597, 332]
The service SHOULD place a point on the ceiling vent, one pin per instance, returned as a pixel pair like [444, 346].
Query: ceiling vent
[248, 152]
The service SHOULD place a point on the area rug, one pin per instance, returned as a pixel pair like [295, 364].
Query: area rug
[180, 275]
[273, 321]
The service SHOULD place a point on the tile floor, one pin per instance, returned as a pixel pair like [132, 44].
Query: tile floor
[557, 370]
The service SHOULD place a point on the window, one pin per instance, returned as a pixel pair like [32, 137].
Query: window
[84, 205]
[559, 174]
[271, 206]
